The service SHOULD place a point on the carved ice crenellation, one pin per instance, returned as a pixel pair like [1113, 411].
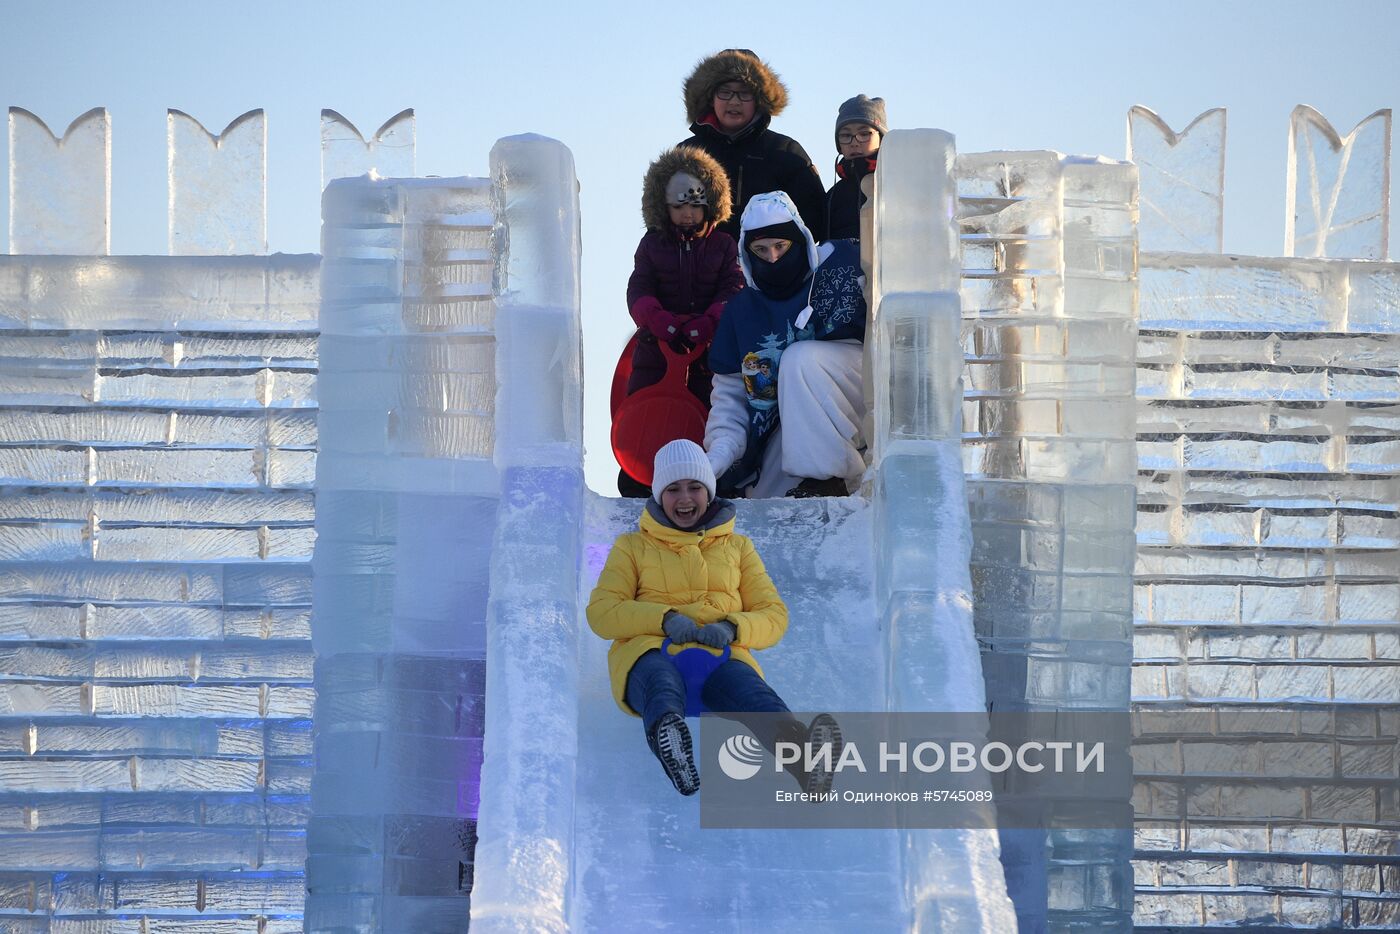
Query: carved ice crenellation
[1183, 180]
[1338, 187]
[388, 153]
[1337, 198]
[60, 188]
[218, 186]
[1266, 637]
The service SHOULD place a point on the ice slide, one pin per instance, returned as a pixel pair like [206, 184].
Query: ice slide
[578, 829]
[837, 655]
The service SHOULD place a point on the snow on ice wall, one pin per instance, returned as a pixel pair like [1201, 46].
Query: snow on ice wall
[1048, 306]
[1269, 551]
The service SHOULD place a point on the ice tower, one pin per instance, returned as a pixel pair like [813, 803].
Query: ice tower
[1049, 290]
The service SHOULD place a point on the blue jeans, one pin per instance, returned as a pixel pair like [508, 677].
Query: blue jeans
[655, 688]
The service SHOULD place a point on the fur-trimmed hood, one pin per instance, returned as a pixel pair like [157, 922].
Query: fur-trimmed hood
[733, 65]
[692, 160]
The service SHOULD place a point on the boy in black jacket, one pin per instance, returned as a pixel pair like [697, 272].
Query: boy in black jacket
[860, 126]
[730, 98]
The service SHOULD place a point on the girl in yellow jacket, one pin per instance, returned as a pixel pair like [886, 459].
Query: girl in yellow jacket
[687, 576]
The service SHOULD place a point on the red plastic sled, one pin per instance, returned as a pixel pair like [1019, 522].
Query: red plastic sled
[653, 416]
[622, 374]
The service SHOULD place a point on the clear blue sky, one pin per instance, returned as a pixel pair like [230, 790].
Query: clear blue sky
[605, 78]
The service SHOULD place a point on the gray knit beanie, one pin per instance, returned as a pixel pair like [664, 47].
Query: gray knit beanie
[862, 109]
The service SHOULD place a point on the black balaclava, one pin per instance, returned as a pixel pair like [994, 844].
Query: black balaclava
[783, 278]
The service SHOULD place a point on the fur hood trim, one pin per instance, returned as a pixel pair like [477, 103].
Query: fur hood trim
[733, 65]
[695, 161]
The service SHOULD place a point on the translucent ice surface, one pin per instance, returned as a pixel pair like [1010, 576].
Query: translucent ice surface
[407, 498]
[345, 152]
[553, 821]
[914, 367]
[261, 294]
[60, 189]
[922, 657]
[158, 442]
[1267, 552]
[1338, 187]
[1182, 175]
[218, 186]
[1049, 295]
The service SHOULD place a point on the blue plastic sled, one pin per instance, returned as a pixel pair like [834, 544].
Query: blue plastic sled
[695, 664]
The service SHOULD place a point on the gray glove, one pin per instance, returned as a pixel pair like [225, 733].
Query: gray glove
[717, 634]
[679, 628]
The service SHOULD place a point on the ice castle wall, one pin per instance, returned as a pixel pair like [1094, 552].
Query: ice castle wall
[525, 857]
[1267, 610]
[1049, 290]
[1268, 557]
[923, 539]
[156, 466]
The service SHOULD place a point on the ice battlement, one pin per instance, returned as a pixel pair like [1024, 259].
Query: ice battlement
[1337, 194]
[1338, 188]
[61, 187]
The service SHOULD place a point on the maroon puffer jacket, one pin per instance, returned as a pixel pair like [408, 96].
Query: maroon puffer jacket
[686, 278]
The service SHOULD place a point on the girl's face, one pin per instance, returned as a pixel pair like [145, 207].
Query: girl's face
[769, 249]
[684, 502]
[686, 215]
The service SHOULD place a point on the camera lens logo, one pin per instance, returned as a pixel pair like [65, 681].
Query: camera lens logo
[740, 756]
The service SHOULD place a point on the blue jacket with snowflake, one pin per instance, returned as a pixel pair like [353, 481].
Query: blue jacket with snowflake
[754, 329]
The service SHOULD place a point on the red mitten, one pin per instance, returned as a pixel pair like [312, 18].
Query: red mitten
[660, 322]
[699, 330]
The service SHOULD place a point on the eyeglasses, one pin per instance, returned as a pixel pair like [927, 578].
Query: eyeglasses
[728, 94]
[859, 136]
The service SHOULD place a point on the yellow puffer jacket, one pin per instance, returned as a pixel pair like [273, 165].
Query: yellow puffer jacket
[708, 575]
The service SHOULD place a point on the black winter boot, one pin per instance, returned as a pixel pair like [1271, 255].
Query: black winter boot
[809, 488]
[823, 731]
[669, 739]
[632, 488]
